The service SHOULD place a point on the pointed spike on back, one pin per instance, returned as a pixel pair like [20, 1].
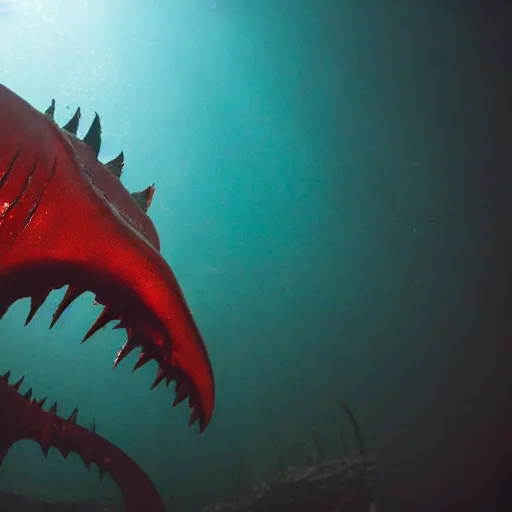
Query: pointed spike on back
[115, 166]
[72, 125]
[28, 394]
[5, 376]
[42, 401]
[74, 415]
[70, 295]
[93, 136]
[53, 408]
[18, 384]
[144, 197]
[50, 111]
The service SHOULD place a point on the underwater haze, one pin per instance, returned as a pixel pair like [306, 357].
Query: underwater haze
[332, 194]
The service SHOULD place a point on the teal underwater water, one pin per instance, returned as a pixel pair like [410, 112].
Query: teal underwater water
[327, 181]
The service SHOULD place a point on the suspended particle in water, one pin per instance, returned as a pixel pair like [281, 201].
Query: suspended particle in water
[5, 7]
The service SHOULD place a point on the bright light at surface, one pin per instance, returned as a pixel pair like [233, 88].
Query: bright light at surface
[67, 50]
[40, 39]
[59, 49]
[105, 56]
[88, 53]
[5, 7]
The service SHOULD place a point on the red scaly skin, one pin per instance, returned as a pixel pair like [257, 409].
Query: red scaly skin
[67, 220]
[26, 419]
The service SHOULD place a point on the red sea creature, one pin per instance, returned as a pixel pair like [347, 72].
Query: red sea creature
[24, 418]
[67, 220]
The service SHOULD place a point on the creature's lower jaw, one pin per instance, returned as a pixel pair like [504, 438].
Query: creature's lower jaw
[63, 212]
[122, 304]
[67, 220]
[23, 417]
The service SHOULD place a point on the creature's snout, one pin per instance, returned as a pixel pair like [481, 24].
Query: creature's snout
[67, 220]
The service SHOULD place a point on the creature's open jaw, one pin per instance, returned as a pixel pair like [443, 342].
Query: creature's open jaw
[24, 417]
[67, 220]
[143, 331]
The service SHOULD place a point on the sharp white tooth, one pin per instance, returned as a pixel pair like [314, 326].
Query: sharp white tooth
[36, 301]
[194, 416]
[144, 358]
[181, 393]
[125, 350]
[160, 375]
[106, 316]
[71, 294]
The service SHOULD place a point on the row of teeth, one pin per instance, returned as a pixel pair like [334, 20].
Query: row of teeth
[73, 418]
[165, 371]
[143, 198]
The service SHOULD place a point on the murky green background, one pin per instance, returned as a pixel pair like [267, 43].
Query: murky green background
[332, 195]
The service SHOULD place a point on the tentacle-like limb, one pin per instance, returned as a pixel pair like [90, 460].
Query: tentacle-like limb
[23, 417]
